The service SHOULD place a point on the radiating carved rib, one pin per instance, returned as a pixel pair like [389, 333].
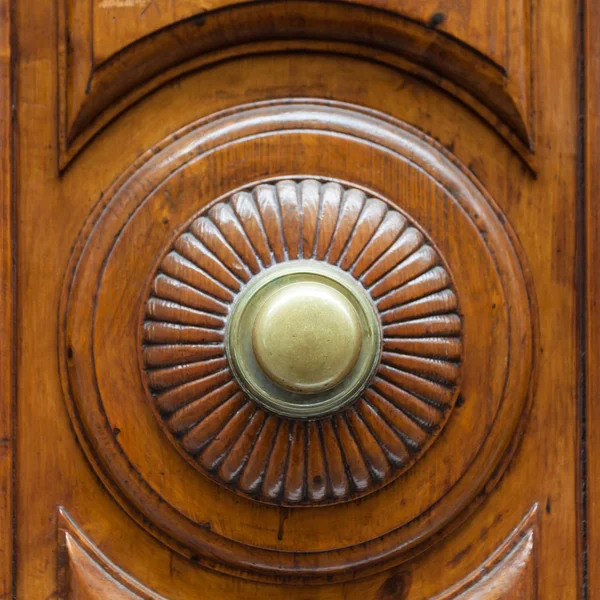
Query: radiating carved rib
[203, 433]
[231, 437]
[238, 455]
[371, 450]
[170, 333]
[166, 310]
[316, 470]
[173, 289]
[430, 282]
[397, 418]
[247, 212]
[274, 475]
[442, 371]
[430, 326]
[224, 218]
[177, 354]
[403, 247]
[413, 405]
[352, 206]
[424, 388]
[328, 216]
[179, 374]
[210, 236]
[191, 247]
[391, 442]
[266, 199]
[310, 200]
[208, 399]
[422, 261]
[340, 486]
[253, 474]
[353, 457]
[440, 302]
[293, 489]
[219, 448]
[371, 217]
[449, 348]
[388, 232]
[178, 267]
[289, 209]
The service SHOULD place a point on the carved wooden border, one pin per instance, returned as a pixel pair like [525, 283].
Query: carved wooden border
[91, 95]
[6, 302]
[511, 572]
[81, 561]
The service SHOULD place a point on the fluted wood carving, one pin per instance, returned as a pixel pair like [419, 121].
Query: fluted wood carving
[240, 443]
[164, 346]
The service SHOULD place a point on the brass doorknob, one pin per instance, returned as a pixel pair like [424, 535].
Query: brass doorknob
[307, 337]
[303, 339]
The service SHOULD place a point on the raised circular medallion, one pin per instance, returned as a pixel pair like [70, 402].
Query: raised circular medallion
[155, 398]
[336, 317]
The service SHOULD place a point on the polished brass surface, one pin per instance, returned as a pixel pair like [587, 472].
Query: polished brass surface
[307, 337]
[303, 339]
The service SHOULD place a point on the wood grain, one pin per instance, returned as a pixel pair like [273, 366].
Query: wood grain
[84, 573]
[98, 80]
[155, 474]
[590, 542]
[398, 268]
[6, 300]
[349, 549]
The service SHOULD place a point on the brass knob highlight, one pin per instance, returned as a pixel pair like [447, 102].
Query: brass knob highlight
[307, 337]
[303, 339]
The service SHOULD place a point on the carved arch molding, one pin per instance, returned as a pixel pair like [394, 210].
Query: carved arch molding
[483, 60]
[165, 419]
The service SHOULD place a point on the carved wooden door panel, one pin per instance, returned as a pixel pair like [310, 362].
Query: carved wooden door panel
[295, 300]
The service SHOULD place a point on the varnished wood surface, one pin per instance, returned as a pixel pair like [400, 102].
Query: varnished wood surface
[52, 208]
[499, 341]
[96, 84]
[6, 301]
[510, 573]
[223, 431]
[591, 226]
[84, 573]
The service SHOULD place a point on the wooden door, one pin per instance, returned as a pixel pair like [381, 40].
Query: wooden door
[294, 299]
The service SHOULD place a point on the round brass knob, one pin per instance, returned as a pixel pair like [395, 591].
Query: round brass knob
[307, 337]
[303, 339]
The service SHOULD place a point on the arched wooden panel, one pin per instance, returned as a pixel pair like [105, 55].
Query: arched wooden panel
[510, 573]
[102, 73]
[84, 573]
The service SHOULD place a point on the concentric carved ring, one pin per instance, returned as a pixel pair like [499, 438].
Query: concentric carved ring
[232, 417]
[166, 342]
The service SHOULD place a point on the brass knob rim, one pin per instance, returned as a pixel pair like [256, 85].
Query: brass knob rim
[303, 339]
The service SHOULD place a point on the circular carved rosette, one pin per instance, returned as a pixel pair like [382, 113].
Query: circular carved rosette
[249, 437]
[301, 339]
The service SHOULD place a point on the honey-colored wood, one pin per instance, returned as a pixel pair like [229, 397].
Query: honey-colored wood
[6, 302]
[100, 74]
[591, 326]
[157, 143]
[401, 272]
